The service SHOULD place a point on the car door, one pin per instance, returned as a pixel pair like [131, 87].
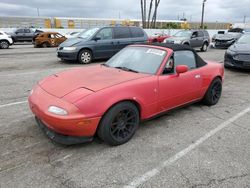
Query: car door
[103, 43]
[200, 38]
[20, 36]
[52, 39]
[28, 35]
[138, 35]
[194, 41]
[176, 90]
[122, 38]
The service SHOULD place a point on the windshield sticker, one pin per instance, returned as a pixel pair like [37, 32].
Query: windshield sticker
[155, 52]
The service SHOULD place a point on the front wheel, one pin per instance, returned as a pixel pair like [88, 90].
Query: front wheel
[85, 57]
[213, 93]
[4, 44]
[119, 124]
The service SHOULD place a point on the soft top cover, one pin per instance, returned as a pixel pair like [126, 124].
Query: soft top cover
[179, 47]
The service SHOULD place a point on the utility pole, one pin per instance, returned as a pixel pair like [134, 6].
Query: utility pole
[38, 13]
[244, 20]
[202, 16]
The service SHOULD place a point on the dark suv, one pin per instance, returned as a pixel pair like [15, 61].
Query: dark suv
[24, 34]
[97, 43]
[194, 38]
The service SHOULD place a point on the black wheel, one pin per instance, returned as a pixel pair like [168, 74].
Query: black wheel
[213, 93]
[186, 44]
[85, 57]
[204, 47]
[4, 44]
[45, 45]
[155, 41]
[119, 124]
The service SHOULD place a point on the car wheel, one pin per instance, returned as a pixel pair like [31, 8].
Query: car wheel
[204, 47]
[155, 41]
[85, 57]
[4, 44]
[119, 124]
[45, 45]
[186, 44]
[213, 93]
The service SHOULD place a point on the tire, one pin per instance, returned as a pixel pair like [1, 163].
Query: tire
[155, 41]
[204, 47]
[213, 93]
[4, 44]
[186, 44]
[85, 57]
[45, 45]
[119, 124]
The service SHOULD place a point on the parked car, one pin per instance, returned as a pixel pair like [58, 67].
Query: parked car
[158, 37]
[49, 39]
[194, 38]
[224, 40]
[109, 100]
[24, 34]
[99, 43]
[238, 55]
[5, 40]
[72, 34]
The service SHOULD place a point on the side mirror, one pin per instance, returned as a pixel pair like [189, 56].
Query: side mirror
[193, 36]
[180, 69]
[97, 38]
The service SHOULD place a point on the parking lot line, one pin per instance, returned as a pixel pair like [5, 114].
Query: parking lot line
[153, 172]
[12, 104]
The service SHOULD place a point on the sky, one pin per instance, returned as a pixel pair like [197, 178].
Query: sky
[215, 10]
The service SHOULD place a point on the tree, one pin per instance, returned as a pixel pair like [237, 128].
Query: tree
[146, 18]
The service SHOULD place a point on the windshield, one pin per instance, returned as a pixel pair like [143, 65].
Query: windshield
[86, 34]
[138, 59]
[183, 34]
[245, 39]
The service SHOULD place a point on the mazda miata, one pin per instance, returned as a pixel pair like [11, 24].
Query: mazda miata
[109, 100]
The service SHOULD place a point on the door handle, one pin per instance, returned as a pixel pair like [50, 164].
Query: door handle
[197, 76]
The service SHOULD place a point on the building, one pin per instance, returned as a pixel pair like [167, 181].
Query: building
[84, 23]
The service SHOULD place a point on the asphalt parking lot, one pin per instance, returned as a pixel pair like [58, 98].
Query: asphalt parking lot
[196, 146]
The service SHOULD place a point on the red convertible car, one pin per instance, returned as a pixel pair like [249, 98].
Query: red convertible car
[157, 37]
[109, 100]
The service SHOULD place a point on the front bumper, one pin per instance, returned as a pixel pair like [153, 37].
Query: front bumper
[67, 55]
[230, 61]
[222, 44]
[75, 124]
[62, 139]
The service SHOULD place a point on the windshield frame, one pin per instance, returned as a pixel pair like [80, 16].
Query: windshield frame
[136, 71]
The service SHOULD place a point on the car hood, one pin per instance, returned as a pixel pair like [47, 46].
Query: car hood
[240, 47]
[72, 42]
[92, 78]
[227, 36]
[176, 38]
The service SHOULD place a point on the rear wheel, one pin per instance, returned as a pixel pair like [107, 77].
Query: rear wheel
[45, 45]
[119, 124]
[204, 47]
[4, 44]
[213, 93]
[85, 57]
